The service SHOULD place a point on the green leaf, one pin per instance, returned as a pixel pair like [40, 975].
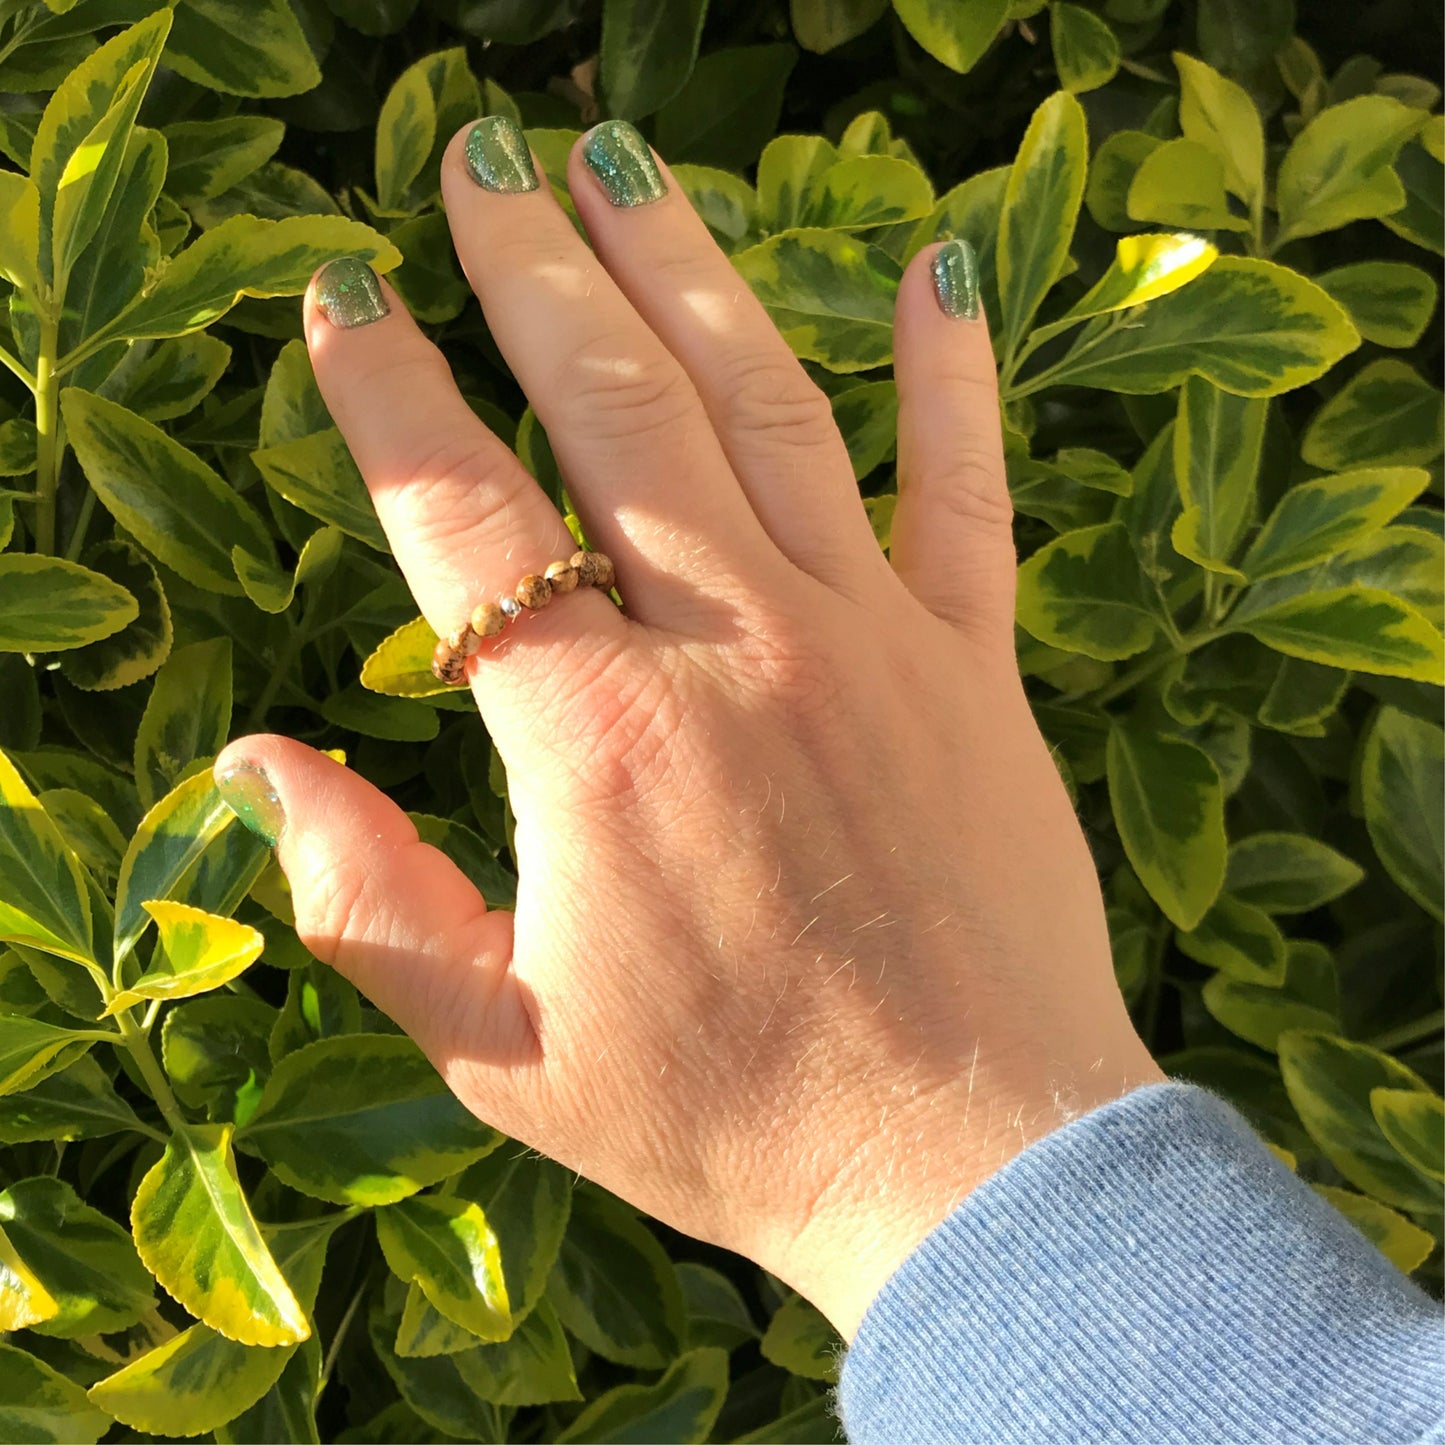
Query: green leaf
[1402, 775]
[1317, 519]
[648, 51]
[1168, 805]
[1260, 1013]
[194, 1230]
[1115, 163]
[78, 1103]
[800, 1340]
[716, 1312]
[1288, 872]
[188, 717]
[362, 1119]
[1414, 1123]
[406, 131]
[85, 1261]
[682, 1406]
[1143, 268]
[169, 843]
[1390, 302]
[1330, 1081]
[1083, 592]
[242, 47]
[729, 106]
[867, 418]
[24, 1300]
[1404, 1244]
[243, 256]
[953, 32]
[1239, 940]
[50, 605]
[216, 1054]
[823, 25]
[788, 169]
[201, 952]
[1086, 51]
[1040, 210]
[140, 647]
[727, 204]
[19, 231]
[40, 1405]
[208, 157]
[1250, 327]
[82, 138]
[198, 1379]
[970, 211]
[1357, 627]
[1387, 412]
[317, 474]
[401, 664]
[394, 719]
[615, 1288]
[44, 899]
[1339, 168]
[447, 1248]
[527, 1201]
[1217, 445]
[173, 378]
[1217, 114]
[830, 295]
[1421, 219]
[1181, 183]
[163, 493]
[867, 191]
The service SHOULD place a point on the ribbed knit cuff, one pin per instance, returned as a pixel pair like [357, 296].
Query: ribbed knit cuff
[1149, 1273]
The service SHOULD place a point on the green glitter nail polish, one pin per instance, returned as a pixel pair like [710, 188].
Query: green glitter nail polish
[498, 157]
[618, 156]
[247, 792]
[955, 280]
[348, 293]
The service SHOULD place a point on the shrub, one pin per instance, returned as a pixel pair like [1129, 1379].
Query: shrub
[1208, 252]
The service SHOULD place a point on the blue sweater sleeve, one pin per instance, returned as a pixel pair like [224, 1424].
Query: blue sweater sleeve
[1147, 1273]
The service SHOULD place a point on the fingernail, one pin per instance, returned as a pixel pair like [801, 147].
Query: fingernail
[247, 792]
[498, 156]
[349, 294]
[955, 280]
[618, 156]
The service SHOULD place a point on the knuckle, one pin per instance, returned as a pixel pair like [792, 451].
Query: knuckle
[970, 486]
[607, 388]
[776, 399]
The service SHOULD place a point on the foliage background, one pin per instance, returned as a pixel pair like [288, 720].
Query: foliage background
[1227, 472]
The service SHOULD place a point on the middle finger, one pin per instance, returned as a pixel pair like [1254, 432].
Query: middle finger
[644, 466]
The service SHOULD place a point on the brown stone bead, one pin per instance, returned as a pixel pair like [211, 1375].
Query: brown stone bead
[584, 564]
[464, 640]
[561, 576]
[487, 620]
[534, 591]
[606, 573]
[448, 665]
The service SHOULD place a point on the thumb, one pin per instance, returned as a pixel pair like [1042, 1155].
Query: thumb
[393, 914]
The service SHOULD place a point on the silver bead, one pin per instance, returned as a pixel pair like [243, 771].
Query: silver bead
[510, 607]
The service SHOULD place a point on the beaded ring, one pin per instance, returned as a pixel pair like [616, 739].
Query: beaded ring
[533, 592]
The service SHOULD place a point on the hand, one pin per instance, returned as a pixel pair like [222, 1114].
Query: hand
[808, 942]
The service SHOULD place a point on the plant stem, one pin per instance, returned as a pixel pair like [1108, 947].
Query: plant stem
[12, 363]
[82, 526]
[145, 1060]
[47, 427]
[337, 1339]
[1421, 1031]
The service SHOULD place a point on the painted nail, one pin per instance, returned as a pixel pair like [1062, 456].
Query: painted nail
[247, 792]
[348, 293]
[618, 156]
[498, 156]
[955, 280]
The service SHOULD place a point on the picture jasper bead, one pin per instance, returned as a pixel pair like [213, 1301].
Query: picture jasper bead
[561, 576]
[606, 573]
[447, 664]
[534, 591]
[464, 640]
[584, 564]
[487, 620]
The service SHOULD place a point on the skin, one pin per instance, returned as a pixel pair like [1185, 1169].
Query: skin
[808, 942]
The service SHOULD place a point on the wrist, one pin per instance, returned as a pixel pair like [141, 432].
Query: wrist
[902, 1182]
